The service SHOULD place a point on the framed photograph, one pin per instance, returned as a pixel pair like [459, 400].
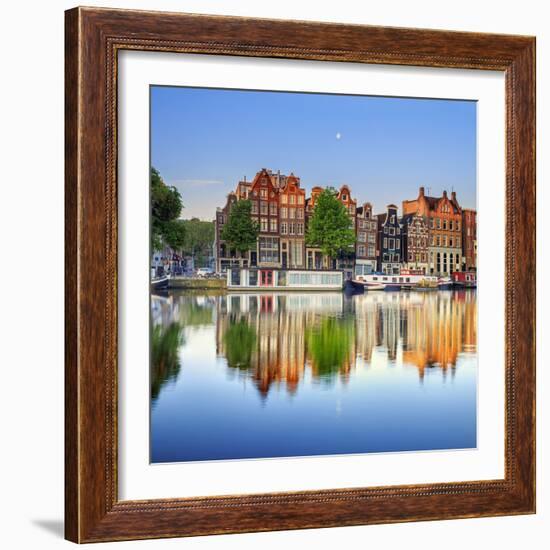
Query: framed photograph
[300, 275]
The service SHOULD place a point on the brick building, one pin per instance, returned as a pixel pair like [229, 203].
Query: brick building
[292, 204]
[366, 230]
[445, 229]
[415, 239]
[469, 239]
[389, 241]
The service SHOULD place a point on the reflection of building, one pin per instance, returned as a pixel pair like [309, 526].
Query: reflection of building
[275, 339]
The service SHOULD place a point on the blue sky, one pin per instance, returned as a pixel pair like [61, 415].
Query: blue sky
[204, 140]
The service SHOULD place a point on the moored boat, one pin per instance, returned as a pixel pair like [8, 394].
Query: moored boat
[391, 282]
[464, 279]
[161, 282]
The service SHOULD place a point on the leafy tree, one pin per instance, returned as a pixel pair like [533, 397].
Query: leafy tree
[330, 227]
[166, 207]
[199, 238]
[241, 231]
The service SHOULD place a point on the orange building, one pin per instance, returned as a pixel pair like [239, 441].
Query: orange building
[444, 216]
[292, 203]
[469, 239]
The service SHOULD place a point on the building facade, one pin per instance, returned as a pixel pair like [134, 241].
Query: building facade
[444, 217]
[389, 241]
[469, 239]
[264, 198]
[292, 204]
[415, 241]
[434, 235]
[366, 230]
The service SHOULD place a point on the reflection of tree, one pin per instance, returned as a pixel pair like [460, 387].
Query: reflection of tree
[239, 344]
[165, 364]
[330, 346]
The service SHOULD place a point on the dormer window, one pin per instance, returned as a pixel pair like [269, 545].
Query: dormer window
[344, 197]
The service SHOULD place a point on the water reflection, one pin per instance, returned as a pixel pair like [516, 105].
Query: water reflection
[310, 347]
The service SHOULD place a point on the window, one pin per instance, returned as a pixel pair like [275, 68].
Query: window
[292, 199]
[392, 231]
[273, 225]
[451, 225]
[385, 229]
[273, 208]
[291, 229]
[263, 224]
[444, 224]
[392, 219]
[361, 250]
[283, 199]
[391, 243]
[269, 249]
[300, 228]
[372, 238]
[344, 197]
[292, 212]
[283, 228]
[300, 199]
[284, 212]
[370, 250]
[432, 223]
[299, 213]
[438, 223]
[450, 241]
[263, 208]
[254, 209]
[458, 226]
[362, 237]
[263, 193]
[444, 240]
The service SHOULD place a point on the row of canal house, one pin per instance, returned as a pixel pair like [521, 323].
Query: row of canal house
[431, 236]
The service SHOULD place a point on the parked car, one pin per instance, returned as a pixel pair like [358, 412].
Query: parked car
[205, 272]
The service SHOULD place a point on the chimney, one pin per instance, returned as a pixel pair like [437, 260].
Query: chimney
[421, 191]
[444, 194]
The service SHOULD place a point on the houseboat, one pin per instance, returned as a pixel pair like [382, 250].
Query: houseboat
[464, 279]
[406, 280]
[239, 279]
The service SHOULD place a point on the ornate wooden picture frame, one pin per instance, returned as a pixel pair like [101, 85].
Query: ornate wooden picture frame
[94, 37]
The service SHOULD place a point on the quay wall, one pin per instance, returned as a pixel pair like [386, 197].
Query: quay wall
[188, 283]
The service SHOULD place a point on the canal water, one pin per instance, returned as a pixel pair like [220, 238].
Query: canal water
[259, 375]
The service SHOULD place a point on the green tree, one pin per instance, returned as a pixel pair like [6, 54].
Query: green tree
[166, 207]
[330, 227]
[241, 231]
[199, 238]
